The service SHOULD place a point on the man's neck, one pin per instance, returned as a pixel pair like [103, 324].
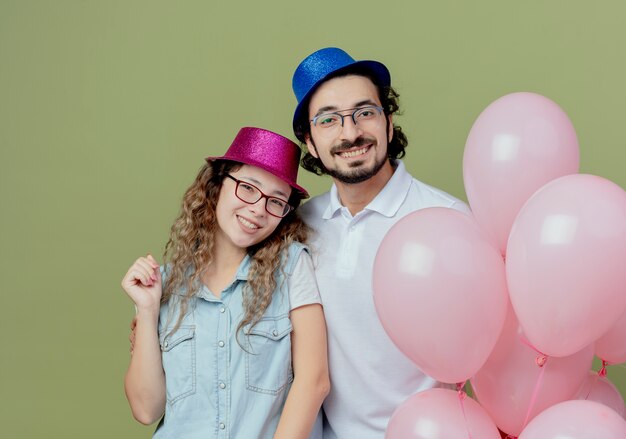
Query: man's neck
[356, 196]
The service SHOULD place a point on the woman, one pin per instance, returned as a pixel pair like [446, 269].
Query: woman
[230, 338]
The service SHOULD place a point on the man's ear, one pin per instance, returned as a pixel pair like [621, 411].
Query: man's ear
[390, 128]
[310, 146]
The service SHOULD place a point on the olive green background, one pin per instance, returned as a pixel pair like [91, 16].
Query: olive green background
[107, 109]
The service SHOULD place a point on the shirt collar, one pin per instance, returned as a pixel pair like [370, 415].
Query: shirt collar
[244, 268]
[388, 200]
[240, 275]
[334, 205]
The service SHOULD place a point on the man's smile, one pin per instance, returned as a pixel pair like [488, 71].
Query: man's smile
[354, 152]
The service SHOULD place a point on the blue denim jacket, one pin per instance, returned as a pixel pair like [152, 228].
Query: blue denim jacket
[215, 389]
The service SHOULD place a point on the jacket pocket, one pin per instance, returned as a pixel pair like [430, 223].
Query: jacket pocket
[178, 353]
[268, 360]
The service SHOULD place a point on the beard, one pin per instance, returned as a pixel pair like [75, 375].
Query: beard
[359, 174]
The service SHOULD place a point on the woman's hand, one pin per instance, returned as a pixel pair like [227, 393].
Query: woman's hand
[145, 379]
[142, 283]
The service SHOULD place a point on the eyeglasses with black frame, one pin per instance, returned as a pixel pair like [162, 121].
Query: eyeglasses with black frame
[329, 123]
[249, 193]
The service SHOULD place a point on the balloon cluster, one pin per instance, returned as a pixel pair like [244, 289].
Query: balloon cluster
[516, 297]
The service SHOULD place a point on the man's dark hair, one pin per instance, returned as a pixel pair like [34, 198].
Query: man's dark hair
[388, 100]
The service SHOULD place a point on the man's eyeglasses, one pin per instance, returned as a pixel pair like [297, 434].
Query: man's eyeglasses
[329, 124]
[249, 193]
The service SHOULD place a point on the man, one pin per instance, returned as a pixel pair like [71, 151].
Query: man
[344, 117]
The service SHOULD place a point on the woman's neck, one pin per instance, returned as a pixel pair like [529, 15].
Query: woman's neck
[224, 264]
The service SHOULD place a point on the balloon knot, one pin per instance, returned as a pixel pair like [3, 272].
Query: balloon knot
[541, 360]
[602, 371]
[460, 391]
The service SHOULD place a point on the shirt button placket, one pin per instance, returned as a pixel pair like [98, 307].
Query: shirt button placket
[345, 258]
[223, 369]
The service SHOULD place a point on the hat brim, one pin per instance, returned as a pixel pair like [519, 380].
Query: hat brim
[379, 70]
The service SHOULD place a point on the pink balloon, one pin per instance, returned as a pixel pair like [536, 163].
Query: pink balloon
[576, 420]
[440, 292]
[565, 263]
[611, 347]
[437, 414]
[510, 381]
[600, 389]
[518, 143]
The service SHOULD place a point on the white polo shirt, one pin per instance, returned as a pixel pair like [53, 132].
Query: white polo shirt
[369, 376]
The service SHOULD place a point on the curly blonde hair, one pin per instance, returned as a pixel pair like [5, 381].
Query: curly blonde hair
[190, 247]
